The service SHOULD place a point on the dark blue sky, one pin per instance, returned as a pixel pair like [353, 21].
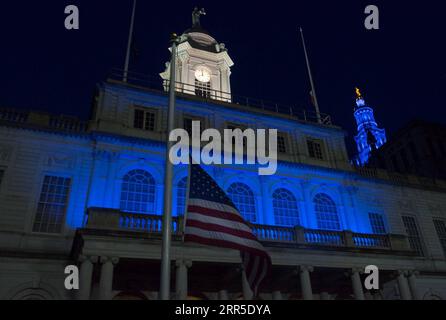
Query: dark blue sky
[401, 68]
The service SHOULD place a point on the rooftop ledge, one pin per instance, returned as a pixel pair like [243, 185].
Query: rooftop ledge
[145, 225]
[226, 99]
[71, 125]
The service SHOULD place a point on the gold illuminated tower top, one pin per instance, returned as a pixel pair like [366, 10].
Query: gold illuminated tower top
[358, 94]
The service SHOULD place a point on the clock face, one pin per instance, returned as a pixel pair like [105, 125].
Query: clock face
[202, 75]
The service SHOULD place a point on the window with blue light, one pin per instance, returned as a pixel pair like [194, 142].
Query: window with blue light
[286, 212]
[52, 206]
[138, 192]
[377, 223]
[243, 198]
[181, 196]
[326, 213]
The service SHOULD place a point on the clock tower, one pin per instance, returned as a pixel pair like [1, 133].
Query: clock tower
[203, 64]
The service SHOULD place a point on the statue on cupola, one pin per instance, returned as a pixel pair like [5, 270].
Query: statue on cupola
[203, 64]
[196, 14]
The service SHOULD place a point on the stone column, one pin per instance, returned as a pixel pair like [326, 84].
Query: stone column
[305, 282]
[247, 292]
[86, 274]
[416, 294]
[325, 296]
[377, 296]
[223, 295]
[106, 279]
[181, 279]
[403, 285]
[277, 295]
[368, 296]
[357, 284]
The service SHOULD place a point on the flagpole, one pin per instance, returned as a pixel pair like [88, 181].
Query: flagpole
[313, 89]
[129, 44]
[167, 213]
[186, 203]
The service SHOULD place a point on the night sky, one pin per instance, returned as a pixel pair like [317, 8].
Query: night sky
[400, 68]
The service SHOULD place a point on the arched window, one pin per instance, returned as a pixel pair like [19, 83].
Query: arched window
[286, 212]
[181, 196]
[138, 192]
[243, 198]
[326, 213]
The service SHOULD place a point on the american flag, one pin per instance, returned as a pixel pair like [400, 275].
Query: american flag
[212, 219]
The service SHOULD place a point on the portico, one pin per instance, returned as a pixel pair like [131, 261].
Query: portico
[118, 259]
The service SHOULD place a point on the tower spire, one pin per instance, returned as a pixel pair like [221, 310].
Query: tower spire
[360, 102]
[370, 137]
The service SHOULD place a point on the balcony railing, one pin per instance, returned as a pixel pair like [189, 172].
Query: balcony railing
[68, 123]
[45, 120]
[399, 178]
[110, 219]
[156, 83]
[115, 220]
[12, 115]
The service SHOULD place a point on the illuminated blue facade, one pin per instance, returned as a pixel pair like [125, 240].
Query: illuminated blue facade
[104, 181]
[369, 136]
[305, 191]
[91, 194]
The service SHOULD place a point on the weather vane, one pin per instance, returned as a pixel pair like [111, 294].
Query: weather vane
[196, 14]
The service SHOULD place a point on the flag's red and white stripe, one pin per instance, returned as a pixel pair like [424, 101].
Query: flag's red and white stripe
[217, 224]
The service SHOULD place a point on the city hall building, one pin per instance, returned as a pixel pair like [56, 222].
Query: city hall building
[90, 194]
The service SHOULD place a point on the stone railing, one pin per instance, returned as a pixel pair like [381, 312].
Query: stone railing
[67, 124]
[43, 119]
[217, 96]
[371, 241]
[322, 237]
[14, 115]
[399, 178]
[367, 172]
[273, 233]
[111, 219]
[115, 220]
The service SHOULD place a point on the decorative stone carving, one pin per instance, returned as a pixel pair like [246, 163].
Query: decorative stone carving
[60, 161]
[106, 155]
[407, 205]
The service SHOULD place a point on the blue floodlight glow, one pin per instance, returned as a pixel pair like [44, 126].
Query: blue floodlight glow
[105, 183]
[367, 126]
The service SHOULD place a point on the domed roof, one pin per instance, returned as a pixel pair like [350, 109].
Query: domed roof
[201, 39]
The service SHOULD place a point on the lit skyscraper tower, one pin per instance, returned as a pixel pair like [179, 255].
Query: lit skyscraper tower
[369, 136]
